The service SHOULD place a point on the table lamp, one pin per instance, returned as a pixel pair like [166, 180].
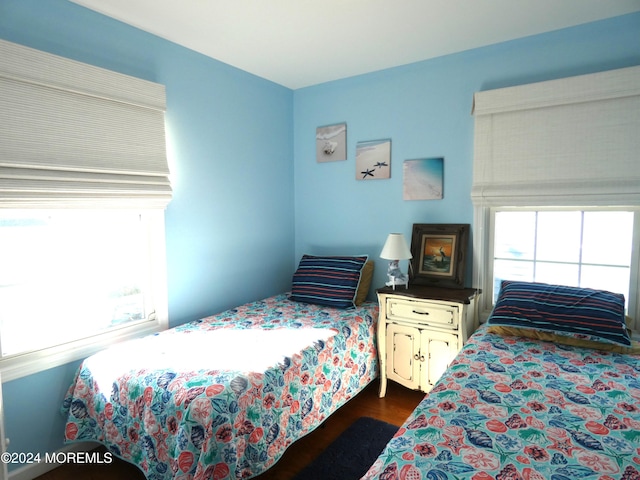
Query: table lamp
[396, 249]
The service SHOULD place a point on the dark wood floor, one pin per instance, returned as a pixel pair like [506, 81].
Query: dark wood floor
[394, 408]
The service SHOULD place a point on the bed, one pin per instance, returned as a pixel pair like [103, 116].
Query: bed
[223, 397]
[175, 406]
[529, 399]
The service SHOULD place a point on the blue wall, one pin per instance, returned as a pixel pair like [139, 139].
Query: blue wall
[425, 109]
[249, 197]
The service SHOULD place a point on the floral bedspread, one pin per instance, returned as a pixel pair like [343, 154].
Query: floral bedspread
[175, 405]
[512, 408]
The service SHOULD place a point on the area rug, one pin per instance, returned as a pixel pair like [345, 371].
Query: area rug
[352, 453]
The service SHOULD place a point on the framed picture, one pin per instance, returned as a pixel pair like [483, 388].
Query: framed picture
[331, 143]
[423, 179]
[439, 253]
[373, 160]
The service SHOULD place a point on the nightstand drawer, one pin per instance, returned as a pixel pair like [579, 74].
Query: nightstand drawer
[422, 312]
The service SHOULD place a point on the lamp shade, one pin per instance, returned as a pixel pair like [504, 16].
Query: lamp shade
[395, 248]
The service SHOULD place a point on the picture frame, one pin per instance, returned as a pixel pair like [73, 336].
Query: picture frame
[439, 254]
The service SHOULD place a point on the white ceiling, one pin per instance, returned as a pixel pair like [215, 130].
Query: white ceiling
[297, 43]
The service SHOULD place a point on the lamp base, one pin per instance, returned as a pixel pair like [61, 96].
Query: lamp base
[397, 281]
[395, 275]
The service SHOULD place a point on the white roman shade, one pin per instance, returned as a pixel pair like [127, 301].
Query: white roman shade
[573, 141]
[75, 135]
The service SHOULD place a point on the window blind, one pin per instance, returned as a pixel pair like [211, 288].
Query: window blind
[572, 141]
[76, 135]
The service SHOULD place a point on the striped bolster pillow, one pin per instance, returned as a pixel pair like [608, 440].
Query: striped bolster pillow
[331, 281]
[581, 313]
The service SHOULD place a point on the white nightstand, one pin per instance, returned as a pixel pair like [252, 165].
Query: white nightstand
[420, 330]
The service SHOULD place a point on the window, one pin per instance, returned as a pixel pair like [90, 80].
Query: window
[562, 155]
[585, 248]
[72, 279]
[83, 188]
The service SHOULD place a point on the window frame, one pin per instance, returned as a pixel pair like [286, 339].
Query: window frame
[484, 242]
[22, 364]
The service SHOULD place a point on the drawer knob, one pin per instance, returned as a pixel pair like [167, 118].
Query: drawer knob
[420, 313]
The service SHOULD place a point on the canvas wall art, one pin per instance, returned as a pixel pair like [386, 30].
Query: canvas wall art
[331, 143]
[423, 179]
[373, 160]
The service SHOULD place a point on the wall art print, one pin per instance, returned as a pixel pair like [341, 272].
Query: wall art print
[331, 143]
[373, 160]
[423, 179]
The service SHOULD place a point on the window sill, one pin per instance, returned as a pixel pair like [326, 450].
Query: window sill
[19, 366]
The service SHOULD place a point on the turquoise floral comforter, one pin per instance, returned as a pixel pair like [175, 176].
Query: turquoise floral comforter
[223, 397]
[511, 408]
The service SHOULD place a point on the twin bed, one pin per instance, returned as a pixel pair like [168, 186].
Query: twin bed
[534, 394]
[548, 389]
[517, 408]
[223, 397]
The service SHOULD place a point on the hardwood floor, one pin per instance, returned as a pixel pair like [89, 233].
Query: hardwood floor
[394, 408]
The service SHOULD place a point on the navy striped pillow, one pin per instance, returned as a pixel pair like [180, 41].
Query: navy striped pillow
[331, 281]
[581, 313]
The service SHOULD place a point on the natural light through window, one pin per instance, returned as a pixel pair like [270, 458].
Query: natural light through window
[68, 275]
[579, 248]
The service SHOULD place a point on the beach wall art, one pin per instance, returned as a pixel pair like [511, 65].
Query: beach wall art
[331, 143]
[373, 160]
[423, 179]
